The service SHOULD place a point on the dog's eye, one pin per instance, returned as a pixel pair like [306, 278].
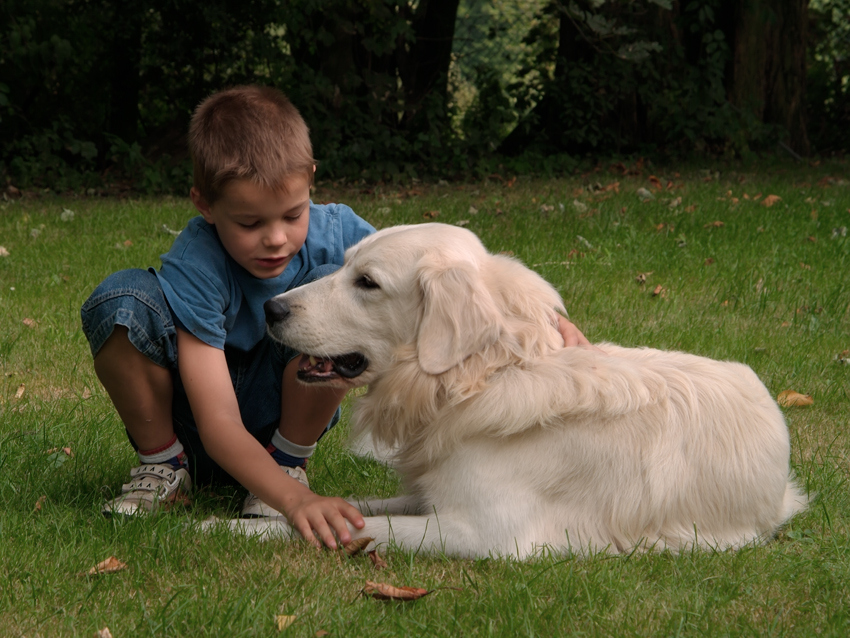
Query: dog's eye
[365, 281]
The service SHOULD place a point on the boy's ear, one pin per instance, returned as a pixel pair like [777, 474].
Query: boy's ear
[201, 204]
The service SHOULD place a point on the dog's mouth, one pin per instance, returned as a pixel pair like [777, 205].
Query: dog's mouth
[312, 369]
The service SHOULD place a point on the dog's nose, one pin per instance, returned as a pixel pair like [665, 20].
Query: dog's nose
[275, 311]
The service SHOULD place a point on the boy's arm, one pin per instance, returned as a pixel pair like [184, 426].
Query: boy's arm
[571, 334]
[206, 378]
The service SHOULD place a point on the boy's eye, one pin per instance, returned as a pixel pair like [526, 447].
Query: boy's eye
[365, 281]
[247, 225]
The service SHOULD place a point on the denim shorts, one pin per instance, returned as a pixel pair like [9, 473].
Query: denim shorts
[134, 299]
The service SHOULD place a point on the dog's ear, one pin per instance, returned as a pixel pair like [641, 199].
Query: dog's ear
[460, 315]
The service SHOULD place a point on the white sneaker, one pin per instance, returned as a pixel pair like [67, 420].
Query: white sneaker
[151, 487]
[253, 507]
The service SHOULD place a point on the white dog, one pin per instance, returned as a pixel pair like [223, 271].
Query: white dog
[508, 442]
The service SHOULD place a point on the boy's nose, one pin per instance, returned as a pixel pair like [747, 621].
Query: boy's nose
[276, 236]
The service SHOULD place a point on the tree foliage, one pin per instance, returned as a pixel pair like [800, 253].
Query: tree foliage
[394, 88]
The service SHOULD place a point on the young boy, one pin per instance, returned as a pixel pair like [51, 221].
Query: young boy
[229, 406]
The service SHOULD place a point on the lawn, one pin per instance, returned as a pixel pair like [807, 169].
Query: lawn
[731, 262]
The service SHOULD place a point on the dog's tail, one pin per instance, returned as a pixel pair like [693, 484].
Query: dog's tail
[795, 500]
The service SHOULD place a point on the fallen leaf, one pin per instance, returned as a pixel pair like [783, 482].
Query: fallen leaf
[103, 633]
[30, 323]
[4, 251]
[321, 633]
[812, 239]
[805, 266]
[431, 214]
[708, 261]
[357, 545]
[382, 591]
[86, 394]
[20, 391]
[108, 566]
[377, 561]
[644, 194]
[691, 208]
[128, 243]
[715, 224]
[658, 290]
[656, 183]
[284, 621]
[676, 202]
[843, 357]
[725, 303]
[770, 200]
[66, 450]
[788, 398]
[39, 503]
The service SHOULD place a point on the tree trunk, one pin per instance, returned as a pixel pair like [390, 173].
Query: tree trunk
[124, 80]
[424, 70]
[768, 74]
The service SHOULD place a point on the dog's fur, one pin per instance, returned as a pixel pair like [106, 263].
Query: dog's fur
[508, 442]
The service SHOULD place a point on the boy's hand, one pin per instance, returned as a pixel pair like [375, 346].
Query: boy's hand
[313, 515]
[571, 334]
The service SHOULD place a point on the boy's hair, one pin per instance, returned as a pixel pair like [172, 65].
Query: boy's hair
[247, 132]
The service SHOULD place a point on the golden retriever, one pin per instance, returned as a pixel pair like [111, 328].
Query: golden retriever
[508, 442]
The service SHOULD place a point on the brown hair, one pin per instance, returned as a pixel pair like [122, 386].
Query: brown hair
[247, 132]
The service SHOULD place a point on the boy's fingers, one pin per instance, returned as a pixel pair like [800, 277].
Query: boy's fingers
[306, 530]
[353, 515]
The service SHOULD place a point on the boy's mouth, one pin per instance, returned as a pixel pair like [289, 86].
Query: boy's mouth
[313, 369]
[272, 262]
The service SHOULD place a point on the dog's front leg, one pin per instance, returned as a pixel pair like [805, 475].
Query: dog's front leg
[405, 504]
[429, 534]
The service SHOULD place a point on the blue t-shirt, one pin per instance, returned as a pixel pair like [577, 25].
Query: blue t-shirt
[221, 303]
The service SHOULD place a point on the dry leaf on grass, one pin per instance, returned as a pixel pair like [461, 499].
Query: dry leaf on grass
[770, 200]
[357, 545]
[66, 450]
[431, 214]
[108, 566]
[321, 633]
[30, 323]
[103, 633]
[4, 252]
[284, 621]
[377, 561]
[788, 398]
[39, 503]
[382, 591]
[714, 224]
[20, 391]
[659, 290]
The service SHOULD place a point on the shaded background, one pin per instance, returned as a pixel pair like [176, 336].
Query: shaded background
[101, 91]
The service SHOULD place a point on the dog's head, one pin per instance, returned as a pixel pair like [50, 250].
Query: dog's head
[432, 287]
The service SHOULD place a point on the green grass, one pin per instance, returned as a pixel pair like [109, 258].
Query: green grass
[776, 296]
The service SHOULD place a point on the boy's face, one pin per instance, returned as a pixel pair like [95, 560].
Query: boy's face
[262, 229]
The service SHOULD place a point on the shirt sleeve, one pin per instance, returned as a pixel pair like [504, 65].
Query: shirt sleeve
[197, 285]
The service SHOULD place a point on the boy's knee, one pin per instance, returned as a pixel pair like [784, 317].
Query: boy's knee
[132, 299]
